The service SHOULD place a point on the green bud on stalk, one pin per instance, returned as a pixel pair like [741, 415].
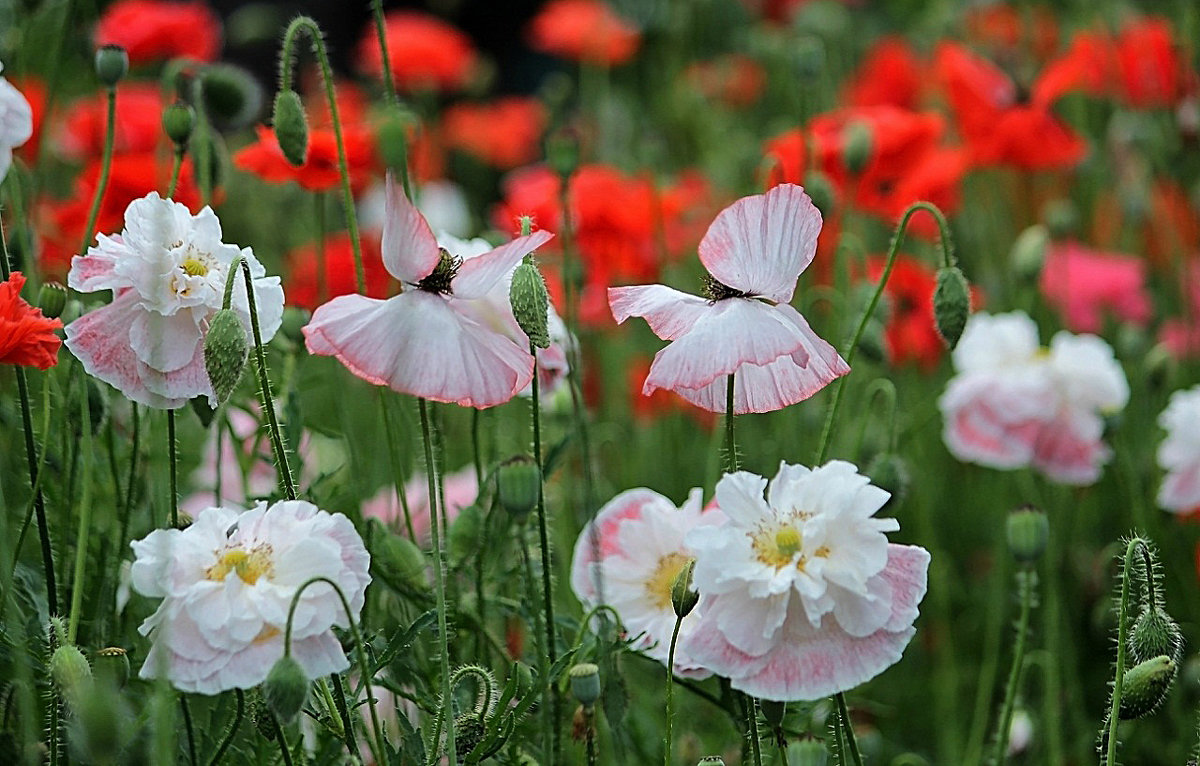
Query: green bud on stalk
[52, 299]
[683, 596]
[531, 302]
[285, 689]
[857, 146]
[1155, 634]
[397, 561]
[112, 64]
[1145, 686]
[518, 484]
[112, 663]
[951, 304]
[226, 349]
[179, 120]
[71, 673]
[1029, 251]
[1027, 530]
[291, 127]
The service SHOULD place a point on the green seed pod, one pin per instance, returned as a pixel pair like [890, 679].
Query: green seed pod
[52, 299]
[1145, 686]
[112, 64]
[1027, 530]
[683, 596]
[518, 485]
[294, 319]
[773, 712]
[821, 190]
[857, 146]
[112, 666]
[531, 302]
[178, 121]
[951, 304]
[392, 138]
[285, 689]
[291, 127]
[397, 560]
[1028, 252]
[71, 673]
[226, 348]
[1155, 634]
[585, 683]
[711, 760]
[808, 752]
[463, 537]
[888, 470]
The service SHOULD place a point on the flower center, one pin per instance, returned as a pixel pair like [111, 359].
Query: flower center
[438, 280]
[717, 291]
[658, 586]
[194, 267]
[777, 548]
[248, 565]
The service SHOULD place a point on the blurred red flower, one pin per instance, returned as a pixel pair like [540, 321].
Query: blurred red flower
[583, 30]
[424, 53]
[34, 91]
[303, 287]
[890, 74]
[26, 337]
[1149, 67]
[733, 79]
[504, 133]
[1083, 284]
[154, 30]
[786, 157]
[910, 335]
[320, 172]
[138, 126]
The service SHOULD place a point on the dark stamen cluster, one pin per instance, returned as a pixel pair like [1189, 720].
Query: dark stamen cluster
[716, 291]
[438, 280]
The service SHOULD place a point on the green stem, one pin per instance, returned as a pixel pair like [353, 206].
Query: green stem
[731, 461]
[1122, 636]
[389, 88]
[848, 729]
[85, 516]
[202, 143]
[229, 735]
[284, 750]
[306, 25]
[670, 688]
[1026, 582]
[176, 167]
[172, 449]
[438, 579]
[535, 407]
[394, 455]
[105, 167]
[189, 730]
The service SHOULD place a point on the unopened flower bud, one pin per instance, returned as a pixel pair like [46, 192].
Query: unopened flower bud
[226, 349]
[112, 64]
[951, 304]
[525, 222]
[1028, 252]
[463, 537]
[808, 55]
[1027, 530]
[531, 302]
[1160, 367]
[397, 561]
[808, 752]
[294, 319]
[285, 689]
[585, 683]
[99, 728]
[683, 595]
[52, 299]
[820, 190]
[112, 665]
[1155, 634]
[232, 97]
[857, 145]
[518, 484]
[291, 127]
[562, 152]
[1145, 686]
[178, 121]
[70, 671]
[392, 138]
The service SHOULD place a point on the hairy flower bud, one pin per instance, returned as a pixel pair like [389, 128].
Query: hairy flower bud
[531, 302]
[70, 671]
[1145, 686]
[808, 752]
[397, 560]
[232, 97]
[178, 121]
[857, 146]
[291, 127]
[1027, 530]
[951, 304]
[518, 484]
[112, 64]
[683, 595]
[285, 689]
[585, 683]
[52, 299]
[226, 349]
[1155, 634]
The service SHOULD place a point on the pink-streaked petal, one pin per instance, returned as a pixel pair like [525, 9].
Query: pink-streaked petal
[97, 270]
[1180, 490]
[761, 243]
[188, 382]
[1069, 450]
[669, 312]
[907, 574]
[164, 343]
[410, 251]
[600, 535]
[477, 276]
[416, 343]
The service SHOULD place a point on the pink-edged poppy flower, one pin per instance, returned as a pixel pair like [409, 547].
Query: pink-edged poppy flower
[639, 538]
[754, 252]
[1014, 404]
[1179, 453]
[803, 594]
[1084, 284]
[423, 342]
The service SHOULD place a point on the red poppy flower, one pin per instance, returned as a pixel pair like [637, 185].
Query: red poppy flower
[138, 127]
[910, 335]
[303, 287]
[1084, 284]
[153, 30]
[584, 30]
[504, 133]
[889, 75]
[662, 401]
[26, 337]
[1085, 67]
[424, 53]
[786, 157]
[1149, 67]
[686, 208]
[1168, 227]
[34, 91]
[320, 172]
[531, 191]
[732, 79]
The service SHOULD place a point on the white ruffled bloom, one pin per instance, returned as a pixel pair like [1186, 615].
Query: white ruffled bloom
[167, 271]
[803, 594]
[227, 582]
[16, 122]
[1179, 453]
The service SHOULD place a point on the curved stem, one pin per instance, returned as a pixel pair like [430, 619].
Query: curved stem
[306, 25]
[1026, 582]
[551, 653]
[1122, 634]
[229, 735]
[105, 167]
[671, 687]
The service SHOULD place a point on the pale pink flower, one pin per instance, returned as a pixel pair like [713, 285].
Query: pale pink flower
[167, 270]
[754, 252]
[639, 536]
[1084, 284]
[16, 122]
[424, 341]
[1014, 404]
[459, 488]
[226, 584]
[1179, 453]
[803, 594]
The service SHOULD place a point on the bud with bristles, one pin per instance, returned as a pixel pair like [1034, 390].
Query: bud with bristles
[178, 120]
[232, 97]
[518, 484]
[291, 127]
[808, 752]
[52, 299]
[1145, 686]
[397, 560]
[285, 689]
[683, 595]
[1027, 530]
[463, 537]
[70, 671]
[951, 304]
[226, 348]
[531, 302]
[392, 138]
[1154, 634]
[112, 64]
[585, 683]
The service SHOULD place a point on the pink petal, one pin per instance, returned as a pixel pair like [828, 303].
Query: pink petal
[669, 312]
[478, 275]
[761, 243]
[600, 534]
[187, 382]
[1180, 490]
[96, 270]
[410, 251]
[1069, 449]
[416, 343]
[907, 574]
[992, 423]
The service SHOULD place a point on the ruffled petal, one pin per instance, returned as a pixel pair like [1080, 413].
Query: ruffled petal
[600, 535]
[164, 343]
[761, 243]
[478, 275]
[1069, 449]
[669, 312]
[410, 251]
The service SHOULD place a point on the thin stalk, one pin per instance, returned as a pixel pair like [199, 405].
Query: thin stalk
[172, 450]
[394, 455]
[284, 750]
[1026, 582]
[1122, 641]
[389, 88]
[322, 273]
[202, 143]
[105, 168]
[848, 730]
[535, 407]
[189, 730]
[752, 729]
[731, 461]
[176, 167]
[229, 735]
[438, 579]
[85, 517]
[670, 688]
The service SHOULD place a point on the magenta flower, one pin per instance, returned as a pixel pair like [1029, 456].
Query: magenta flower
[423, 342]
[754, 252]
[1083, 284]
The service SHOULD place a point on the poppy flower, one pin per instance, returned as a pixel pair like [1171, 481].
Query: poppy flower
[505, 133]
[34, 91]
[1179, 453]
[26, 337]
[890, 75]
[303, 287]
[155, 30]
[1149, 68]
[803, 594]
[584, 30]
[754, 252]
[1085, 67]
[786, 155]
[423, 341]
[424, 53]
[16, 122]
[1083, 285]
[138, 127]
[1004, 30]
[320, 170]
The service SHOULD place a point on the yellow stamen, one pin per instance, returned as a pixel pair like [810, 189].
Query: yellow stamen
[658, 587]
[249, 566]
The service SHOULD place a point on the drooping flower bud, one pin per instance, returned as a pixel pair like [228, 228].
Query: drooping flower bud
[112, 64]
[285, 689]
[683, 596]
[951, 304]
[518, 484]
[397, 561]
[52, 299]
[291, 127]
[1027, 530]
[888, 470]
[71, 673]
[1029, 251]
[531, 302]
[857, 145]
[178, 121]
[585, 683]
[1145, 686]
[226, 349]
[1155, 634]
